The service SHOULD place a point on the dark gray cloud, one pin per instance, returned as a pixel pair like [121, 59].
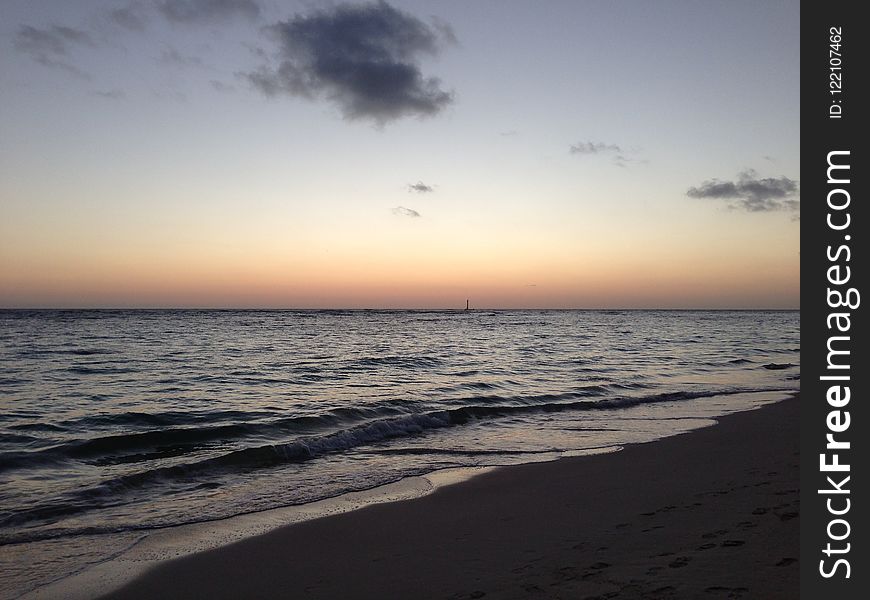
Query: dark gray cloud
[207, 11]
[595, 148]
[405, 212]
[362, 57]
[751, 192]
[420, 188]
[51, 46]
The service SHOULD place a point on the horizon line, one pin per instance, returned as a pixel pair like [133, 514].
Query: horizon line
[395, 309]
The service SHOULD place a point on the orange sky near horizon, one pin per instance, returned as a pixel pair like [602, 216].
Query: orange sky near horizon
[366, 272]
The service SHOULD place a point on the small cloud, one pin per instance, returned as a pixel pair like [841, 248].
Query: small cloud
[191, 12]
[594, 148]
[751, 192]
[51, 46]
[768, 157]
[115, 94]
[405, 212]
[509, 133]
[362, 57]
[619, 155]
[420, 188]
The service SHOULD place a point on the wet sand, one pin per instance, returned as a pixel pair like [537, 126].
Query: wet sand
[708, 514]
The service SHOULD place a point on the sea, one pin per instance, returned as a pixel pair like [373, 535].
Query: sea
[117, 424]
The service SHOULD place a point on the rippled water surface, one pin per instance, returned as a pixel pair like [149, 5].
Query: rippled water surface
[115, 422]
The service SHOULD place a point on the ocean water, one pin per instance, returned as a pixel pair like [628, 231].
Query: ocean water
[117, 423]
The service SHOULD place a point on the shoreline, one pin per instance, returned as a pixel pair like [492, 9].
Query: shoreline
[507, 533]
[158, 546]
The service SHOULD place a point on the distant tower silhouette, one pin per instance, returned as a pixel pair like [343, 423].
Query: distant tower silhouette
[466, 304]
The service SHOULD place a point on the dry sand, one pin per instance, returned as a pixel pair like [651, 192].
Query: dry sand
[707, 514]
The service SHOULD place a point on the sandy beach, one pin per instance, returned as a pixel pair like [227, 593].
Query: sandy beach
[708, 514]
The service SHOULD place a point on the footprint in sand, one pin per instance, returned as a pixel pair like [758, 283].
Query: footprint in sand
[732, 543]
[679, 562]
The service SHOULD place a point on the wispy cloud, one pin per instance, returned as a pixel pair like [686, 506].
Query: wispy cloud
[362, 57]
[620, 156]
[207, 11]
[594, 148]
[51, 46]
[751, 192]
[401, 211]
[420, 188]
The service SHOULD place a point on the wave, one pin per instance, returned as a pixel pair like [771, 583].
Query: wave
[779, 366]
[310, 447]
[356, 426]
[160, 443]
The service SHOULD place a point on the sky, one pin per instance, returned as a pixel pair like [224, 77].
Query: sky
[401, 154]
